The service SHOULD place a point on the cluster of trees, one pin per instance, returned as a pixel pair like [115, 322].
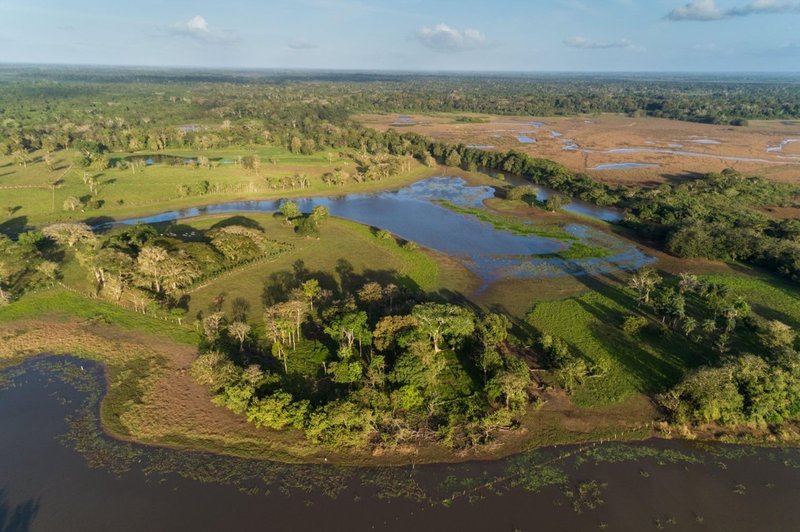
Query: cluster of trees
[138, 264]
[373, 368]
[759, 389]
[304, 224]
[704, 312]
[714, 217]
[27, 263]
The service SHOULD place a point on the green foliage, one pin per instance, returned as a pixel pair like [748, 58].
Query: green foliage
[633, 325]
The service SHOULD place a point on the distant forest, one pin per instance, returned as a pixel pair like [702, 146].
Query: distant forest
[715, 99]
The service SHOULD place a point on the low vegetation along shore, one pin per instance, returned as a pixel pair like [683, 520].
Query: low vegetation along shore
[301, 337]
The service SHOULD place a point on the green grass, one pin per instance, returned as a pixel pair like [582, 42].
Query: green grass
[770, 297]
[155, 188]
[342, 245]
[59, 302]
[509, 225]
[579, 250]
[591, 325]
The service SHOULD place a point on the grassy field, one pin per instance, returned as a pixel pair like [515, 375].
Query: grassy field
[346, 254]
[591, 324]
[27, 198]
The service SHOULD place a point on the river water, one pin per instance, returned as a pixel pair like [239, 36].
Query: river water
[58, 472]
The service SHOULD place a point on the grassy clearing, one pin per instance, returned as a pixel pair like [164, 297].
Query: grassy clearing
[27, 191]
[591, 324]
[579, 250]
[345, 255]
[63, 304]
[770, 297]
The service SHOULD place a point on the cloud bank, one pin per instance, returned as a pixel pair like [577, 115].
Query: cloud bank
[443, 38]
[589, 44]
[708, 10]
[198, 29]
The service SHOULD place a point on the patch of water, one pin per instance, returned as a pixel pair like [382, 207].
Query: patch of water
[524, 139]
[781, 146]
[412, 213]
[685, 153]
[624, 166]
[677, 485]
[705, 141]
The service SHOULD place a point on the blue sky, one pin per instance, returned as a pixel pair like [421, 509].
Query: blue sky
[513, 35]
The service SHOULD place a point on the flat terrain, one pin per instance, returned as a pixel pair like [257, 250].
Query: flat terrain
[579, 143]
[27, 194]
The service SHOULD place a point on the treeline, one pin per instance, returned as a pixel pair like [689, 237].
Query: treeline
[715, 217]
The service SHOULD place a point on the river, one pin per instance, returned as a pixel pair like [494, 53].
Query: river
[58, 472]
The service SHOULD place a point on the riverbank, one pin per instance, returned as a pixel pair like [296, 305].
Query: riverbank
[151, 399]
[661, 484]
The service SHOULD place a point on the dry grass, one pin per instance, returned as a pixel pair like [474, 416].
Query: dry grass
[614, 131]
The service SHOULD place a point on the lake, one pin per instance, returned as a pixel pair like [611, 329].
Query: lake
[414, 213]
[58, 471]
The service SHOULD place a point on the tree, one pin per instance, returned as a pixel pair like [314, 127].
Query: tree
[777, 336]
[69, 233]
[643, 282]
[440, 322]
[319, 214]
[150, 263]
[512, 385]
[453, 158]
[290, 210]
[71, 203]
[493, 330]
[212, 325]
[555, 202]
[311, 290]
[347, 329]
[239, 330]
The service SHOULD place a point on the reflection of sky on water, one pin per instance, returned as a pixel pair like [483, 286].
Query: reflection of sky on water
[411, 213]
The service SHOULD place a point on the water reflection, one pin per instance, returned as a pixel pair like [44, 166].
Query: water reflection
[413, 213]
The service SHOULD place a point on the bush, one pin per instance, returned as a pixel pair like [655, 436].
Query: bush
[633, 325]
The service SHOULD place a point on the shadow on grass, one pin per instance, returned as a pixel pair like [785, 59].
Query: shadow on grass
[656, 359]
[14, 226]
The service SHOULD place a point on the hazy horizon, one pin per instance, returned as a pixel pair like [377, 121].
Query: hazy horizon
[704, 36]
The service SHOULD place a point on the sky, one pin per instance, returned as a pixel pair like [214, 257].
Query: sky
[427, 35]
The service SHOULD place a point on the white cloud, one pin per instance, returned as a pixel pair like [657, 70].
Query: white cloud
[302, 44]
[589, 44]
[198, 29]
[705, 10]
[443, 38]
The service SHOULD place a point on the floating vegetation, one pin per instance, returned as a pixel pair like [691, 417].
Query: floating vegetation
[511, 226]
[557, 469]
[586, 495]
